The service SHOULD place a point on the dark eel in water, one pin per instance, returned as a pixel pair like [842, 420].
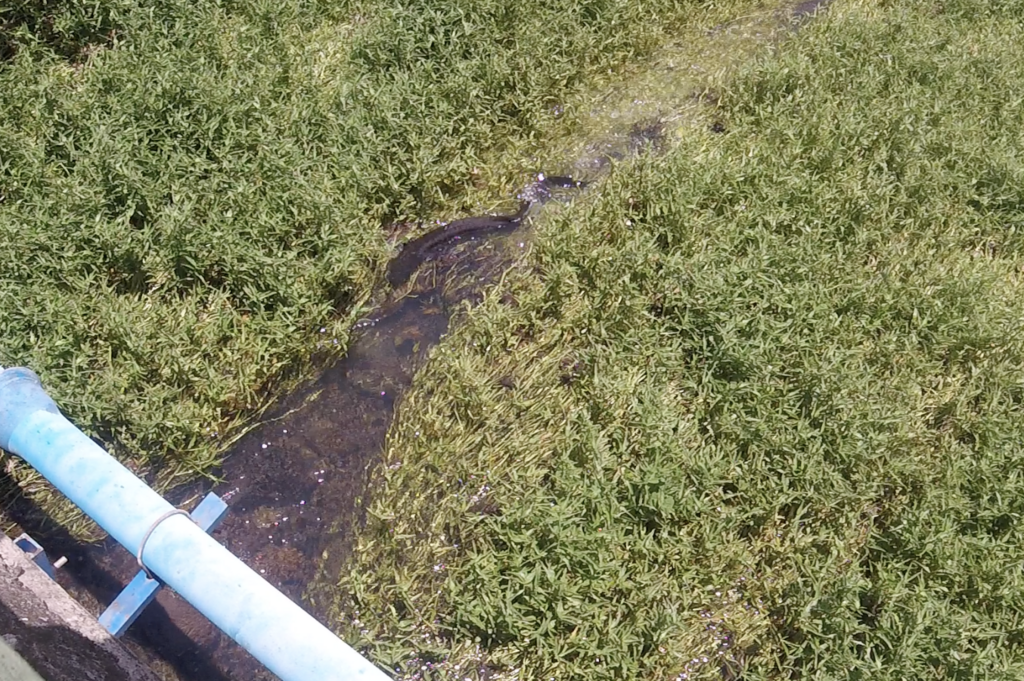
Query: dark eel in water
[419, 250]
[416, 252]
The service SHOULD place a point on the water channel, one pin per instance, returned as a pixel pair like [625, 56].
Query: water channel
[294, 485]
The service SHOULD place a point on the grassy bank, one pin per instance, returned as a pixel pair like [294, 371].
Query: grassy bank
[191, 191]
[756, 406]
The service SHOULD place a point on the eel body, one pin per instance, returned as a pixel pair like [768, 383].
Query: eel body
[420, 249]
[423, 248]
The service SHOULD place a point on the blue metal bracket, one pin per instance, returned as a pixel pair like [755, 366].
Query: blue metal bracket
[36, 554]
[141, 591]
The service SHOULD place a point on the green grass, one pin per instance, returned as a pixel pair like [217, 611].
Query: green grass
[191, 191]
[757, 401]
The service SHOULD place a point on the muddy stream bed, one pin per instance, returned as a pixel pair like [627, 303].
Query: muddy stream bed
[294, 485]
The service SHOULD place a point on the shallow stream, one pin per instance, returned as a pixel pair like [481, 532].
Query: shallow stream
[294, 485]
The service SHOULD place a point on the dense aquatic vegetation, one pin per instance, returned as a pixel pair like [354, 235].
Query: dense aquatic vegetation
[752, 410]
[191, 191]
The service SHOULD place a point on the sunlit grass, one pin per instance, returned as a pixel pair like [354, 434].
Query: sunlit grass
[192, 193]
[754, 408]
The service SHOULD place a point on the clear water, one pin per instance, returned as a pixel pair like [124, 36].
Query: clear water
[295, 484]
